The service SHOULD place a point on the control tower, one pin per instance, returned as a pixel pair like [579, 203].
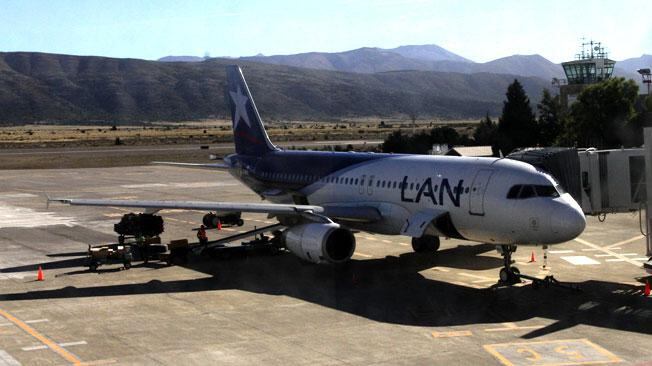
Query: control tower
[591, 65]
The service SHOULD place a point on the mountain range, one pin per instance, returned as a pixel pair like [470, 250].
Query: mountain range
[51, 87]
[428, 58]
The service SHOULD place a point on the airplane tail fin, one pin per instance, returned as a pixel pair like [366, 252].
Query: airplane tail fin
[249, 134]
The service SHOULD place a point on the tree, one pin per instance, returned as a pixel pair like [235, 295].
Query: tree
[444, 135]
[551, 115]
[603, 114]
[486, 132]
[396, 142]
[517, 126]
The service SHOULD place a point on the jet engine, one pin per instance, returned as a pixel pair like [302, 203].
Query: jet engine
[320, 243]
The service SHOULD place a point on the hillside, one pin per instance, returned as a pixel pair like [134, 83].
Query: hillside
[425, 58]
[435, 58]
[38, 86]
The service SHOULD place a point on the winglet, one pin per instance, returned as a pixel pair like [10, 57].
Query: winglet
[50, 199]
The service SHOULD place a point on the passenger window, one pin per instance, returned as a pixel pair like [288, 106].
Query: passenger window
[411, 186]
[527, 192]
[513, 192]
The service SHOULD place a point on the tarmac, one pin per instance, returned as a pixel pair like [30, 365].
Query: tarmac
[388, 305]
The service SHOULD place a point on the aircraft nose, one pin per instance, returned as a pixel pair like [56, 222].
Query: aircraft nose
[569, 222]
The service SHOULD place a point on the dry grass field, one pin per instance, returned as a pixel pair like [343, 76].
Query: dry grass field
[205, 132]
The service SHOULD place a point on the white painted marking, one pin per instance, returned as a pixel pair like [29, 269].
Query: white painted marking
[605, 255]
[202, 184]
[68, 344]
[17, 195]
[607, 251]
[404, 244]
[630, 254]
[179, 185]
[590, 250]
[615, 260]
[5, 324]
[7, 360]
[14, 276]
[638, 237]
[644, 259]
[12, 216]
[561, 251]
[34, 348]
[362, 255]
[580, 260]
[144, 185]
[36, 321]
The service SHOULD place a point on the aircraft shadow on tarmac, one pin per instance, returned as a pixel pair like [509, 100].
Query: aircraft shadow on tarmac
[392, 290]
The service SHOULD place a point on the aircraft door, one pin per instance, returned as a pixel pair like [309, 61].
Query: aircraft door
[362, 182]
[478, 188]
[370, 186]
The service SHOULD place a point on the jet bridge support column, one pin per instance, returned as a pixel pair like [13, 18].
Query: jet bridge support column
[648, 187]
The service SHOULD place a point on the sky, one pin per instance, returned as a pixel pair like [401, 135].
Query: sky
[478, 30]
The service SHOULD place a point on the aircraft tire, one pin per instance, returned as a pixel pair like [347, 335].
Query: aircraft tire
[425, 244]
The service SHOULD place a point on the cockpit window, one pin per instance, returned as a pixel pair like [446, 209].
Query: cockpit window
[546, 191]
[513, 192]
[524, 191]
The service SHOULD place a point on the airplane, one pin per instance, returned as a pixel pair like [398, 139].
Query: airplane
[322, 198]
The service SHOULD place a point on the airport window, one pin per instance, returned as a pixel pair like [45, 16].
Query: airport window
[383, 184]
[356, 181]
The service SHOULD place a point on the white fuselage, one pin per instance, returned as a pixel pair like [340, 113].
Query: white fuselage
[472, 190]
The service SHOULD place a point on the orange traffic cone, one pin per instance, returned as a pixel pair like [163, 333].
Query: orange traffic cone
[39, 274]
[647, 288]
[219, 224]
[532, 257]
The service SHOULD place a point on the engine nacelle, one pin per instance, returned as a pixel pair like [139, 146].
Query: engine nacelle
[319, 243]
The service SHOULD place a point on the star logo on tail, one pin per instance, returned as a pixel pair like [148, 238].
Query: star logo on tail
[240, 101]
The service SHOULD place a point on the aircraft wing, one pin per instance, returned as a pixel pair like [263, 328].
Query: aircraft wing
[362, 213]
[271, 208]
[210, 166]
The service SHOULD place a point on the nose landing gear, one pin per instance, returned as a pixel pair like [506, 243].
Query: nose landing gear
[508, 275]
[511, 275]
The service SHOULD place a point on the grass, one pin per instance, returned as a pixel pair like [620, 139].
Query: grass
[205, 132]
